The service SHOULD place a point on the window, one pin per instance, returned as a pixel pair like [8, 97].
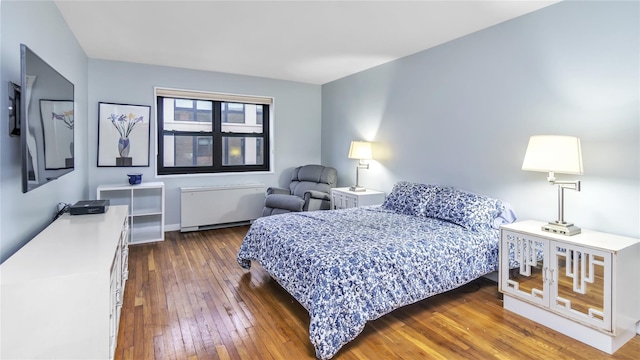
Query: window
[211, 133]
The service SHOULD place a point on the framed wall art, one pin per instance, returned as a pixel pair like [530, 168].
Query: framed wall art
[123, 134]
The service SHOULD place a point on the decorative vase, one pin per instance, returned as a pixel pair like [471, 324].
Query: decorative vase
[123, 147]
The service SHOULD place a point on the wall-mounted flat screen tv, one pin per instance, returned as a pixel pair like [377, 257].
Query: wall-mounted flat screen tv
[46, 121]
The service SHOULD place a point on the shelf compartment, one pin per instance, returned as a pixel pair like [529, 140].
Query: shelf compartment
[117, 197]
[146, 208]
[146, 229]
[147, 200]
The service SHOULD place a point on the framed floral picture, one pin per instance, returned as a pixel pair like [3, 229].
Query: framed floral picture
[123, 134]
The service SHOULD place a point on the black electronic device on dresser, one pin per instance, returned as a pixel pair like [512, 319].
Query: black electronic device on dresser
[86, 207]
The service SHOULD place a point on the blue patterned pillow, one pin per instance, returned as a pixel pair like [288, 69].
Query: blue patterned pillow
[471, 211]
[408, 198]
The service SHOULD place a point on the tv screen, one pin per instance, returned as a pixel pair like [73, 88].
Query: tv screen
[46, 121]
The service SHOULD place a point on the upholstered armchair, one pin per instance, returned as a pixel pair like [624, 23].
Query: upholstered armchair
[309, 190]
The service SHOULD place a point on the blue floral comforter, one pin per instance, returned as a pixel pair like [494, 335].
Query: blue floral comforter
[347, 267]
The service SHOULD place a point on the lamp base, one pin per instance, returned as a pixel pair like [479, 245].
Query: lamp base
[357, 188]
[561, 228]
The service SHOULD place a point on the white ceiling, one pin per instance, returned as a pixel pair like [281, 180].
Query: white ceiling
[306, 41]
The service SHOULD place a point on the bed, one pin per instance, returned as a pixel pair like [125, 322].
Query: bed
[347, 267]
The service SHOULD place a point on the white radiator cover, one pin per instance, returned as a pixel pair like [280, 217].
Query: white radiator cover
[220, 206]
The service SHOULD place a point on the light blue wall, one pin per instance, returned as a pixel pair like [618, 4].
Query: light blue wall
[39, 25]
[295, 124]
[461, 113]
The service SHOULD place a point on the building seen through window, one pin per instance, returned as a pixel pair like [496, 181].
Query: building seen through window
[196, 136]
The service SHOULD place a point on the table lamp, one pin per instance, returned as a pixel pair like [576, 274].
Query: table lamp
[360, 150]
[556, 154]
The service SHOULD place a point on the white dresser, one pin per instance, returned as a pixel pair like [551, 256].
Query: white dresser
[584, 286]
[61, 293]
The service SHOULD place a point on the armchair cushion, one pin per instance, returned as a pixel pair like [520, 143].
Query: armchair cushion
[312, 177]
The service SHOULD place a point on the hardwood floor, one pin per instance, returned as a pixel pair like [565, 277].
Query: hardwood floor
[187, 298]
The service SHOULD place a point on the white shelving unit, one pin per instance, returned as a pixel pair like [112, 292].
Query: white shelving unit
[146, 208]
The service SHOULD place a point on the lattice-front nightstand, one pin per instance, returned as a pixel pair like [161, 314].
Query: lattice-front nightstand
[343, 198]
[584, 286]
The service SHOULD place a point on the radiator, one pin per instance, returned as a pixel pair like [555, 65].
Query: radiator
[220, 206]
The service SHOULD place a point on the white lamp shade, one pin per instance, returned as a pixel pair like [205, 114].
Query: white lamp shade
[553, 153]
[360, 150]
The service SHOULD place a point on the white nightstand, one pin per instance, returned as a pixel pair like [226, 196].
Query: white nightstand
[584, 286]
[343, 198]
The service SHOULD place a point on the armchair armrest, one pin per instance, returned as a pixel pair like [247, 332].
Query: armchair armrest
[284, 202]
[277, 190]
[315, 194]
[316, 200]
